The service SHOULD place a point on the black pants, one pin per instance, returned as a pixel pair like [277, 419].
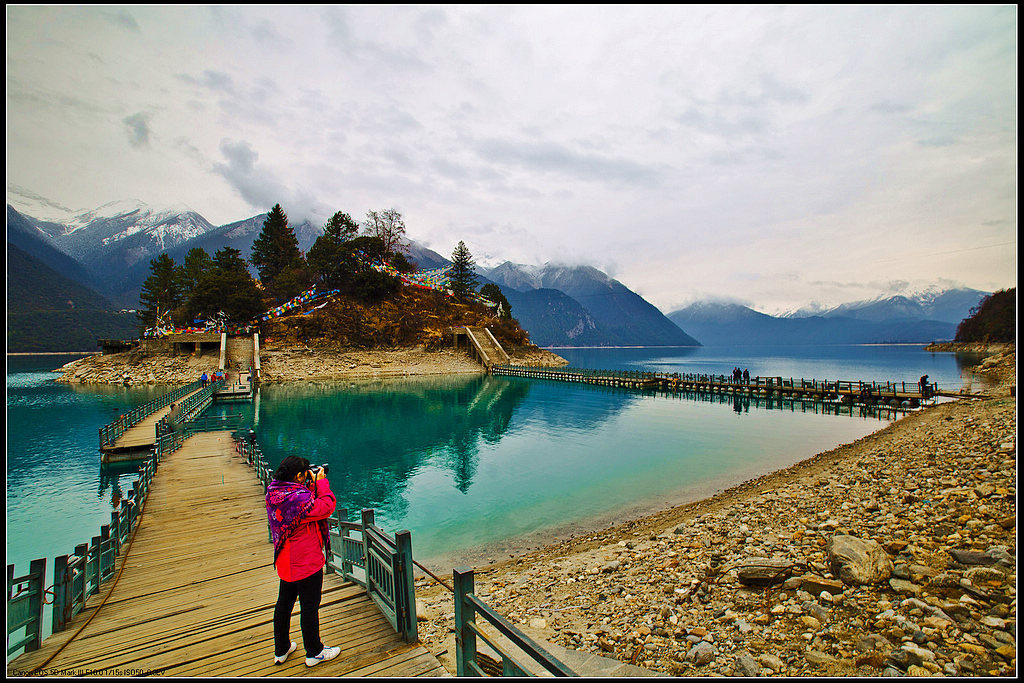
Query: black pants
[308, 591]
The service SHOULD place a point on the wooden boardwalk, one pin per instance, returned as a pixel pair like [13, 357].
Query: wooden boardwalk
[142, 435]
[196, 589]
[848, 392]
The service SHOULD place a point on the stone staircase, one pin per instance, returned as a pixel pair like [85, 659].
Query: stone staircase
[238, 354]
[486, 346]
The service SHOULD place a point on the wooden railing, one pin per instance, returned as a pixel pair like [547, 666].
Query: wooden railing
[77, 576]
[764, 384]
[386, 566]
[467, 607]
[187, 409]
[111, 432]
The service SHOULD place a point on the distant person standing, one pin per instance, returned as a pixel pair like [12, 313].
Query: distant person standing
[923, 386]
[746, 376]
[204, 379]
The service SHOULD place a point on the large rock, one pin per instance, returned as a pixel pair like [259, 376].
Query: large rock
[857, 561]
[764, 571]
[816, 585]
[701, 653]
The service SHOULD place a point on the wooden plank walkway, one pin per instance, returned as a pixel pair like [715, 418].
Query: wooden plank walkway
[196, 591]
[849, 392]
[142, 435]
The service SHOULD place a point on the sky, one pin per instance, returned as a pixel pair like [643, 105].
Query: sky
[773, 156]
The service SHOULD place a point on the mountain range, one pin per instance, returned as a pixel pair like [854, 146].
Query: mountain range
[922, 318]
[98, 260]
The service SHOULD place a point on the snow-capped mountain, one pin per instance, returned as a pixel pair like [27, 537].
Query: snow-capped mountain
[899, 319]
[602, 310]
[138, 230]
[930, 303]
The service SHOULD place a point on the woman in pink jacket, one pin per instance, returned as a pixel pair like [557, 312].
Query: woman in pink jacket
[299, 501]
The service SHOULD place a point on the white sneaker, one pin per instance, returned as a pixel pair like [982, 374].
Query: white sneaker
[280, 660]
[328, 653]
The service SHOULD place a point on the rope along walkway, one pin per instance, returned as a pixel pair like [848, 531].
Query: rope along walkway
[197, 593]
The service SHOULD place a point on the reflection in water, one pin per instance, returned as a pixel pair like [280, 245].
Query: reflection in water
[741, 404]
[376, 435]
[471, 460]
[111, 475]
[965, 363]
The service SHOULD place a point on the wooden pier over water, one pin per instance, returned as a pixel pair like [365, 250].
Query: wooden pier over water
[194, 594]
[894, 394]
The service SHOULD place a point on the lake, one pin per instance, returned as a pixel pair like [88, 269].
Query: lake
[474, 466]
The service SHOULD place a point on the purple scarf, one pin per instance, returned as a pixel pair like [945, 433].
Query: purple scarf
[288, 504]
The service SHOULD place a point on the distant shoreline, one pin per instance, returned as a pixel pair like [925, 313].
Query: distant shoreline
[54, 353]
[716, 346]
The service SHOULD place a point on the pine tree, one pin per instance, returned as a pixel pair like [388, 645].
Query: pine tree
[462, 278]
[197, 263]
[330, 259]
[161, 293]
[276, 251]
[493, 292]
[227, 288]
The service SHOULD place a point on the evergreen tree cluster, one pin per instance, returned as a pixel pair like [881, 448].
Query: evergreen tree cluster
[992, 320]
[202, 288]
[205, 288]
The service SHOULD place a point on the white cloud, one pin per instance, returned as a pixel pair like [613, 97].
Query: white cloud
[747, 153]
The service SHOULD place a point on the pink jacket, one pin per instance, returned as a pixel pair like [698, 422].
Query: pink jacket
[303, 551]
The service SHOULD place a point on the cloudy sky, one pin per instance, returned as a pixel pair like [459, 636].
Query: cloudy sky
[774, 156]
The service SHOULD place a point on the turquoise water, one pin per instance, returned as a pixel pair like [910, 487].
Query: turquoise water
[473, 466]
[57, 494]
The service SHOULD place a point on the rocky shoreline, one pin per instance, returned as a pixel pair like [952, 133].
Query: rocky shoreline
[288, 364]
[891, 556]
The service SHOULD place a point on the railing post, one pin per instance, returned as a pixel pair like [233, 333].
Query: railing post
[341, 514]
[61, 593]
[104, 549]
[405, 589]
[465, 638]
[93, 565]
[366, 520]
[82, 551]
[34, 611]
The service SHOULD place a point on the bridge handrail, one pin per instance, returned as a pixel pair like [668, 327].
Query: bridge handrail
[467, 606]
[479, 347]
[79, 575]
[76, 576]
[111, 432]
[835, 386]
[191, 406]
[386, 565]
[496, 344]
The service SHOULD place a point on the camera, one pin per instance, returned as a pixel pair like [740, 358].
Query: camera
[314, 471]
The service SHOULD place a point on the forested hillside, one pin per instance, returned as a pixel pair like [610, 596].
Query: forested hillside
[993, 320]
[49, 312]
